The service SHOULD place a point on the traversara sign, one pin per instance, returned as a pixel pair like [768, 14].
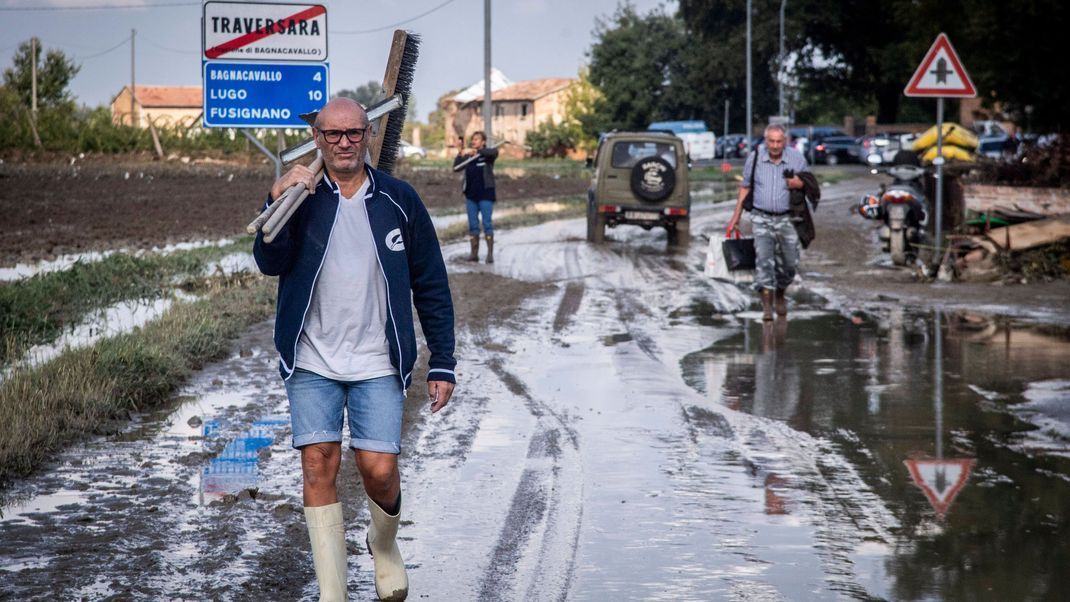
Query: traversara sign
[260, 31]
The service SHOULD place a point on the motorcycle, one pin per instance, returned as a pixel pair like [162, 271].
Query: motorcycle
[902, 207]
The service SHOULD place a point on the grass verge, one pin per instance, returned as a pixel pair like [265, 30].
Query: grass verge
[37, 309]
[85, 391]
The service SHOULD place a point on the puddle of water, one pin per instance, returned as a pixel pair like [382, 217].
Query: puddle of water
[237, 467]
[232, 264]
[64, 262]
[441, 221]
[108, 322]
[962, 430]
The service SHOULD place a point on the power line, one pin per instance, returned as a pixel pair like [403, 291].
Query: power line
[95, 7]
[162, 47]
[393, 25]
[103, 52]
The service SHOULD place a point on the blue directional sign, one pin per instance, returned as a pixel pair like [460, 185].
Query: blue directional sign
[262, 95]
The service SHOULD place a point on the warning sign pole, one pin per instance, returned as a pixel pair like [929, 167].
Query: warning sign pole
[938, 257]
[940, 74]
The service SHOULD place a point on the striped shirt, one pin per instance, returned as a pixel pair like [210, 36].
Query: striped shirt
[771, 192]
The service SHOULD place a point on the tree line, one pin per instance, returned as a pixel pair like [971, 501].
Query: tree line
[840, 58]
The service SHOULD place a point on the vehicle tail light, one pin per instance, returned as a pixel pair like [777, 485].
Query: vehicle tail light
[865, 143]
[675, 211]
[820, 147]
[609, 209]
[897, 196]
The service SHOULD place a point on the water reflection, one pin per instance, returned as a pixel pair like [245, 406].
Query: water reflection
[236, 467]
[930, 409]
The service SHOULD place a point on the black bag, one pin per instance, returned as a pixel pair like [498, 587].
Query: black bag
[748, 201]
[738, 253]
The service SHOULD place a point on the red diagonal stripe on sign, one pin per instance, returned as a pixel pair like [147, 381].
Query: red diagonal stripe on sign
[218, 51]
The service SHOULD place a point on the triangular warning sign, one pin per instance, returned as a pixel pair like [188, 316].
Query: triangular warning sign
[941, 73]
[940, 480]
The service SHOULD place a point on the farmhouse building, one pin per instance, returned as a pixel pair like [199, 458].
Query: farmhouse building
[165, 106]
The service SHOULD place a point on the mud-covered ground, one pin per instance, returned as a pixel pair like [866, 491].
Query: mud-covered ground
[75, 206]
[624, 429]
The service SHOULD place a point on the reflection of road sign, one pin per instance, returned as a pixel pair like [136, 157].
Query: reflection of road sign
[262, 95]
[264, 31]
[941, 73]
[940, 480]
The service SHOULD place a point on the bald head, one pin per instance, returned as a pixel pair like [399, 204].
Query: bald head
[341, 135]
[342, 107]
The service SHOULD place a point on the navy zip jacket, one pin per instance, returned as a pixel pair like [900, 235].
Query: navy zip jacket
[409, 258]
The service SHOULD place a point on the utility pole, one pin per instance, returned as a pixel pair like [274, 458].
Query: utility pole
[487, 104]
[780, 58]
[726, 102]
[33, 77]
[747, 126]
[133, 114]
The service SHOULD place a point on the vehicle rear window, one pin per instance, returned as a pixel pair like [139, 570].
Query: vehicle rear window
[627, 154]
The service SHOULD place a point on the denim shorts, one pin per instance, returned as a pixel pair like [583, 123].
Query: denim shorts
[374, 408]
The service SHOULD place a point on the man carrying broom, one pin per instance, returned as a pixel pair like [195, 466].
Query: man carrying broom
[349, 261]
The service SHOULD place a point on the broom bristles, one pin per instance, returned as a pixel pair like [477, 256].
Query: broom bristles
[395, 121]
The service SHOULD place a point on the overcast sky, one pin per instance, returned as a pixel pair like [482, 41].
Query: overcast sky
[531, 39]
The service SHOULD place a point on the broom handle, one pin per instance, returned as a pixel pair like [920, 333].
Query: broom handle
[290, 210]
[276, 219]
[464, 163]
[261, 219]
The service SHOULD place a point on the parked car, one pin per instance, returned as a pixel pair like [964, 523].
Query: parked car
[881, 148]
[992, 147]
[832, 150]
[411, 151]
[730, 146]
[640, 178]
[802, 138]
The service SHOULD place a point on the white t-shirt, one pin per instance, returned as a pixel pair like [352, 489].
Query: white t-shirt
[344, 336]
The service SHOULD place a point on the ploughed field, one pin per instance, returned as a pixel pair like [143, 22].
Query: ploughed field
[73, 205]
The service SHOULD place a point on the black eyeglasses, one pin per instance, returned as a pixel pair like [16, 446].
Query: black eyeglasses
[354, 135]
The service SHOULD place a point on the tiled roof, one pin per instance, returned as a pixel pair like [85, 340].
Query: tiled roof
[531, 89]
[169, 96]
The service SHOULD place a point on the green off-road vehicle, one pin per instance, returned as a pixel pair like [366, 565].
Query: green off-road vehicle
[640, 178]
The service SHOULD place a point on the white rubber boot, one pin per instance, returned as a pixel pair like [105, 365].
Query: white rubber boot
[391, 582]
[326, 532]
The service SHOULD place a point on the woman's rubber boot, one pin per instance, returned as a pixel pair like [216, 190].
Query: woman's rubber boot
[781, 303]
[490, 248]
[326, 533]
[391, 582]
[474, 255]
[767, 305]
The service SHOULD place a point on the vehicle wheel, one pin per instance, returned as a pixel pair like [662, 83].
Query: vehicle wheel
[832, 160]
[680, 232]
[653, 179]
[897, 246]
[596, 225]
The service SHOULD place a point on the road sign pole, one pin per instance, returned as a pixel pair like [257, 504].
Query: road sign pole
[939, 161]
[263, 149]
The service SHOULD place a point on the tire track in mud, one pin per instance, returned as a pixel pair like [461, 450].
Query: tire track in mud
[545, 514]
[570, 303]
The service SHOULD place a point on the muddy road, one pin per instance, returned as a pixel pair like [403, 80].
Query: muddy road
[625, 429]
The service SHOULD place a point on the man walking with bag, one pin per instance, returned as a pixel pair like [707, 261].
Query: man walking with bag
[769, 175]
